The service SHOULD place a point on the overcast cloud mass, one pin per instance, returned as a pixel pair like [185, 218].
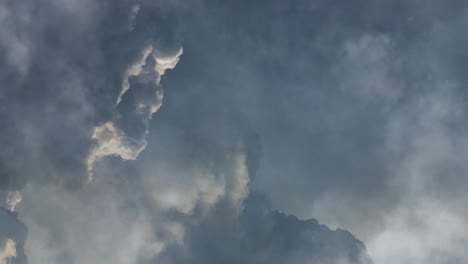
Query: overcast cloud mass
[233, 131]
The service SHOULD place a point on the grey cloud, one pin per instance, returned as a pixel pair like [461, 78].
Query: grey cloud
[76, 55]
[351, 112]
[327, 86]
[159, 208]
[61, 69]
[261, 235]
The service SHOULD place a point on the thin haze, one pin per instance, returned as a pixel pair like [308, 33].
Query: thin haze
[233, 131]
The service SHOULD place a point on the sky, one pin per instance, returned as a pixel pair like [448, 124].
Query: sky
[233, 131]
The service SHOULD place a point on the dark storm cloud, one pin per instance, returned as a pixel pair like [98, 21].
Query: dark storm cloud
[350, 110]
[62, 64]
[359, 107]
[185, 199]
[261, 235]
[80, 82]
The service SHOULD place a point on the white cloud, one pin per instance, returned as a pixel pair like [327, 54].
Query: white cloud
[423, 231]
[7, 252]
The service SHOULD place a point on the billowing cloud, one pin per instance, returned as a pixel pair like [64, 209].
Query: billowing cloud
[78, 101]
[261, 235]
[125, 135]
[62, 64]
[160, 209]
[352, 112]
[359, 108]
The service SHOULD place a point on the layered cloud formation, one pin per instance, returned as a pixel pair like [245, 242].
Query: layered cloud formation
[348, 111]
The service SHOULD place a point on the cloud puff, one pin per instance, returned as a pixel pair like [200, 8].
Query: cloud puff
[12, 238]
[8, 252]
[141, 96]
